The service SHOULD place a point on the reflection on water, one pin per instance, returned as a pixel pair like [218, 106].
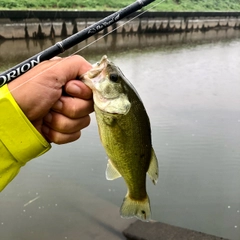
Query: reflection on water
[96, 46]
[191, 92]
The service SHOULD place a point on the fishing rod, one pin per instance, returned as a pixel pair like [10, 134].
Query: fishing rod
[69, 42]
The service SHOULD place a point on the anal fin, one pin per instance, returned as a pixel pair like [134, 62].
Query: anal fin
[111, 172]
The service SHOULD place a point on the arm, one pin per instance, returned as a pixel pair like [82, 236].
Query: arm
[34, 112]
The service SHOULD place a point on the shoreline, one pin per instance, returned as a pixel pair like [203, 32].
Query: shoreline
[162, 231]
[51, 24]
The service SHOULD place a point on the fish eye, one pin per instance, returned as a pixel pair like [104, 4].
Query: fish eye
[113, 77]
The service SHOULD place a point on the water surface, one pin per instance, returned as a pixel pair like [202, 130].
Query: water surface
[190, 86]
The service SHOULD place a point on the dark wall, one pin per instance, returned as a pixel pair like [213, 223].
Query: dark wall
[71, 15]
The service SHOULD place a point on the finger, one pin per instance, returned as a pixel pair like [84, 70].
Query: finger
[59, 138]
[76, 88]
[63, 124]
[73, 107]
[70, 68]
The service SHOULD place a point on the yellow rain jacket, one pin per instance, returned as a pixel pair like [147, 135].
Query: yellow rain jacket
[19, 140]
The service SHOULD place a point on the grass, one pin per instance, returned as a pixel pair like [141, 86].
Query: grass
[102, 5]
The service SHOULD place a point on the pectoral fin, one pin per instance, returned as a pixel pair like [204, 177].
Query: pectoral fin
[111, 172]
[153, 168]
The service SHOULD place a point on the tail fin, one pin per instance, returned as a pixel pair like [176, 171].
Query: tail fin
[133, 208]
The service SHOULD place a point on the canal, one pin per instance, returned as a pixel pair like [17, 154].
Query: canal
[189, 83]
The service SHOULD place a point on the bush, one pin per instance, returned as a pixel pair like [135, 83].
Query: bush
[8, 4]
[167, 5]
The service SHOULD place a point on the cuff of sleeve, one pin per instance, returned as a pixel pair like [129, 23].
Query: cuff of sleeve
[18, 134]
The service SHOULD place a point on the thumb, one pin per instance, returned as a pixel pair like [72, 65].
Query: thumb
[70, 68]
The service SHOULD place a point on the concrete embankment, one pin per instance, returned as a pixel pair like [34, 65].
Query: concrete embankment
[161, 231]
[51, 24]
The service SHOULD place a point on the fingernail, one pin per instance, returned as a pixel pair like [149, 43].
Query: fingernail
[58, 105]
[48, 118]
[73, 89]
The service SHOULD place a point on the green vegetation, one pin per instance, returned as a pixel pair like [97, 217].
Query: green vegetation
[167, 5]
[200, 5]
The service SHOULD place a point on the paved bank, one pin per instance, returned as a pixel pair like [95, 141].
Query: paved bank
[51, 24]
[161, 231]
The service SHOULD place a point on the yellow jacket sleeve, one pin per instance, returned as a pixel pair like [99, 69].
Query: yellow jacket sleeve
[19, 140]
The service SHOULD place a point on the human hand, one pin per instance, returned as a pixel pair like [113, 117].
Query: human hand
[38, 92]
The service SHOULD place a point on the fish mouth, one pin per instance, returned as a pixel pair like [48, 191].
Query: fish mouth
[97, 68]
[104, 61]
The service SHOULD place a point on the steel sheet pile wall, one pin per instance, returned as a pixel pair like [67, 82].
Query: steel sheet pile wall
[50, 24]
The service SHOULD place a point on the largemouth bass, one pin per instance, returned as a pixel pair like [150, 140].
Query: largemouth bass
[125, 133]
